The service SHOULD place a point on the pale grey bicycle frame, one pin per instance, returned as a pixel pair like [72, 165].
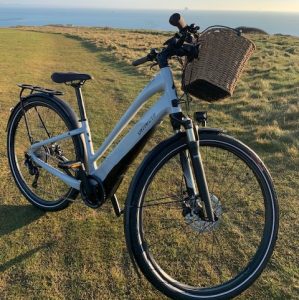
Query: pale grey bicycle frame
[163, 81]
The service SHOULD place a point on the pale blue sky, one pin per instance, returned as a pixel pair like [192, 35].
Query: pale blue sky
[255, 5]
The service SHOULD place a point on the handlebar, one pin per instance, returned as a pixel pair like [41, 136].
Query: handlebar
[178, 21]
[181, 44]
[140, 61]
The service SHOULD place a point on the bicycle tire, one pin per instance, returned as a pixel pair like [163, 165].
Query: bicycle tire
[60, 114]
[160, 264]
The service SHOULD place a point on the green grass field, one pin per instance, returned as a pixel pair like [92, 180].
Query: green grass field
[80, 253]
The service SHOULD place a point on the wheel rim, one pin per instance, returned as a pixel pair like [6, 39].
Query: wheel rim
[213, 258]
[43, 121]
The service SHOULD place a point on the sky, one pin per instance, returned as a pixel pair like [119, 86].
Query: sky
[239, 5]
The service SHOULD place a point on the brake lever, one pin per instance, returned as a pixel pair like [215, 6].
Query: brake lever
[153, 65]
[182, 39]
[169, 41]
[153, 54]
[177, 40]
[173, 40]
[193, 29]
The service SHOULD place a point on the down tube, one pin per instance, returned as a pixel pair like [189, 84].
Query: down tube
[152, 88]
[149, 120]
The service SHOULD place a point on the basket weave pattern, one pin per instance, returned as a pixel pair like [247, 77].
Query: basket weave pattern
[222, 57]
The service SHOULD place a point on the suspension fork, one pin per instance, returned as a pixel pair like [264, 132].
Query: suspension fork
[199, 185]
[200, 176]
[188, 174]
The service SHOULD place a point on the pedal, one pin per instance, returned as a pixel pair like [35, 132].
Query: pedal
[70, 164]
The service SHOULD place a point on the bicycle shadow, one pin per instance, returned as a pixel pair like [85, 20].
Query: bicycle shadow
[18, 259]
[13, 217]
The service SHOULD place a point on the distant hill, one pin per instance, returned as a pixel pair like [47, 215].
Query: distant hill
[245, 29]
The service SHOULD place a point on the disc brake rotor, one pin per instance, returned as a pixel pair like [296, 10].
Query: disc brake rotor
[197, 224]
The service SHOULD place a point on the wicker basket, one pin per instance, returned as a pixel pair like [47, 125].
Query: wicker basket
[223, 53]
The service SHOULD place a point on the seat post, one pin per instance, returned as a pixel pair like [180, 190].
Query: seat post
[80, 101]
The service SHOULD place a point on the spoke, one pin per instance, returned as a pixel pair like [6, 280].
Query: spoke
[230, 187]
[51, 185]
[211, 258]
[162, 203]
[227, 173]
[183, 226]
[162, 198]
[42, 122]
[220, 247]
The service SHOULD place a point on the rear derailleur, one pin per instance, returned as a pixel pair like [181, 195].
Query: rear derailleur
[32, 168]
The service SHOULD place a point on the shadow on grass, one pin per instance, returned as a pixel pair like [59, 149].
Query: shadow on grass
[109, 59]
[13, 217]
[132, 274]
[18, 259]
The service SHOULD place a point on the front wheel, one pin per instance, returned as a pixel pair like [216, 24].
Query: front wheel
[184, 256]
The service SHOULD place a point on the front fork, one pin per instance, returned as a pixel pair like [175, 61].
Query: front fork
[198, 169]
[193, 167]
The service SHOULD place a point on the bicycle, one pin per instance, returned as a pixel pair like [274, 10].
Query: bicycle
[201, 214]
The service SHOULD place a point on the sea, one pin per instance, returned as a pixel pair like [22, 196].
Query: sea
[271, 22]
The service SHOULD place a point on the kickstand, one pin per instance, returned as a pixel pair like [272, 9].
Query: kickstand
[118, 211]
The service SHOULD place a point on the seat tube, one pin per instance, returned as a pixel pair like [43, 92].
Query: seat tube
[193, 145]
[89, 164]
[80, 103]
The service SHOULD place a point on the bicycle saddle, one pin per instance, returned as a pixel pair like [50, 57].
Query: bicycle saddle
[69, 77]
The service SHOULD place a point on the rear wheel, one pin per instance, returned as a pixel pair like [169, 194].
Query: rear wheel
[186, 257]
[45, 118]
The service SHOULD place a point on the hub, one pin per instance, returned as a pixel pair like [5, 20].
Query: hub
[194, 219]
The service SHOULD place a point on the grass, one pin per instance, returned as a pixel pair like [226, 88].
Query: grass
[79, 252]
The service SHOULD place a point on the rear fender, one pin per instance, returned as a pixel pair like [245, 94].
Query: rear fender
[65, 107]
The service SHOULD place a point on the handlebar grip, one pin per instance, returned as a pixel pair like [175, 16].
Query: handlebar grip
[178, 21]
[140, 61]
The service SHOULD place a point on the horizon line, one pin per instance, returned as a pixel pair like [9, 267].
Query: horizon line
[149, 9]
